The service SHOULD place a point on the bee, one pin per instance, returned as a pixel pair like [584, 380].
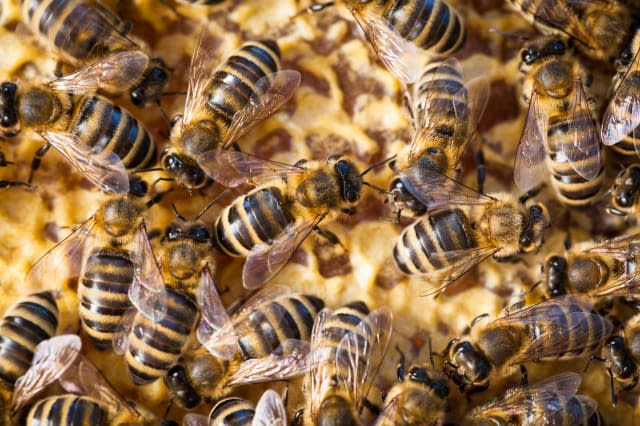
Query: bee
[200, 2]
[100, 139]
[559, 135]
[561, 327]
[265, 339]
[110, 254]
[87, 35]
[549, 401]
[224, 104]
[467, 228]
[624, 191]
[445, 112]
[405, 34]
[347, 347]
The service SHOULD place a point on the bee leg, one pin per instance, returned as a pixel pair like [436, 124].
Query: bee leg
[10, 183]
[529, 194]
[166, 411]
[3, 160]
[298, 417]
[375, 410]
[37, 159]
[58, 70]
[400, 366]
[524, 381]
[631, 385]
[482, 170]
[330, 236]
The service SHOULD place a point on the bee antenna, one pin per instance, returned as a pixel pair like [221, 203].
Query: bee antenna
[212, 202]
[314, 8]
[178, 215]
[152, 169]
[430, 347]
[163, 112]
[178, 93]
[510, 34]
[379, 163]
[380, 190]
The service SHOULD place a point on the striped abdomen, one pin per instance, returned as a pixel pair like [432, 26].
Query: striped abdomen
[447, 230]
[232, 412]
[576, 411]
[571, 188]
[258, 217]
[433, 25]
[289, 317]
[155, 347]
[80, 30]
[27, 323]
[104, 126]
[103, 292]
[67, 410]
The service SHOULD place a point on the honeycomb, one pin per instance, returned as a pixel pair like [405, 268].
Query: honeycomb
[347, 104]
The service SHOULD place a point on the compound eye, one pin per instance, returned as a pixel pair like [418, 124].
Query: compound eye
[173, 232]
[200, 234]
[556, 47]
[196, 177]
[172, 162]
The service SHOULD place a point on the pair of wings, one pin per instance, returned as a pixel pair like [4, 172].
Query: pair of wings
[59, 359]
[352, 364]
[67, 258]
[545, 401]
[580, 146]
[270, 411]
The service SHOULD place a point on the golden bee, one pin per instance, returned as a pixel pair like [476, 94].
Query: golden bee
[445, 111]
[624, 192]
[87, 35]
[561, 327]
[266, 338]
[549, 401]
[467, 228]
[223, 104]
[559, 136]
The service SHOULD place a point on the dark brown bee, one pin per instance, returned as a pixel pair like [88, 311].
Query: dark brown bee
[270, 411]
[625, 191]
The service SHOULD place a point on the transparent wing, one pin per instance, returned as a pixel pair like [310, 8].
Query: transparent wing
[266, 260]
[257, 301]
[104, 169]
[270, 93]
[192, 419]
[114, 74]
[51, 359]
[200, 72]
[584, 153]
[123, 329]
[402, 58]
[233, 168]
[147, 292]
[622, 115]
[288, 361]
[624, 285]
[559, 15]
[389, 413]
[63, 261]
[530, 169]
[575, 417]
[321, 373]
[215, 331]
[478, 92]
[623, 247]
[270, 410]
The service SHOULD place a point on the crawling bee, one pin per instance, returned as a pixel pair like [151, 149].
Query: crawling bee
[561, 327]
[224, 104]
[549, 401]
[87, 35]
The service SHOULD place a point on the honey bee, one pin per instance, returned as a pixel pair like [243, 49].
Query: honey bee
[467, 228]
[265, 339]
[445, 112]
[624, 191]
[559, 135]
[100, 139]
[87, 35]
[224, 104]
[561, 327]
[549, 401]
[200, 2]
[347, 347]
[405, 34]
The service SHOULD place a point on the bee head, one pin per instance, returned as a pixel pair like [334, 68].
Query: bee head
[152, 85]
[8, 116]
[543, 47]
[335, 410]
[466, 367]
[137, 187]
[179, 385]
[187, 173]
[119, 216]
[625, 191]
[421, 375]
[349, 178]
[556, 275]
[535, 228]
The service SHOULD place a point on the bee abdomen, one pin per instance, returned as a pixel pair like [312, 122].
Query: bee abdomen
[232, 412]
[576, 410]
[258, 217]
[26, 324]
[103, 293]
[67, 410]
[156, 347]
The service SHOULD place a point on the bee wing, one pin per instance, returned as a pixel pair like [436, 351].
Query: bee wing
[624, 247]
[561, 16]
[321, 373]
[624, 285]
[192, 419]
[402, 58]
[121, 334]
[622, 115]
[288, 361]
[215, 331]
[51, 359]
[388, 414]
[584, 153]
[270, 410]
[478, 92]
[271, 92]
[233, 168]
[147, 291]
[256, 302]
[62, 261]
[200, 72]
[266, 260]
[114, 74]
[562, 417]
[103, 169]
[529, 169]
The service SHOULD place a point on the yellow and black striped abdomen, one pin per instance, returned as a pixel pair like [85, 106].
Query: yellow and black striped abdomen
[232, 412]
[103, 126]
[155, 347]
[67, 410]
[258, 217]
[27, 323]
[433, 25]
[234, 83]
[103, 292]
[576, 411]
[447, 230]
[289, 317]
